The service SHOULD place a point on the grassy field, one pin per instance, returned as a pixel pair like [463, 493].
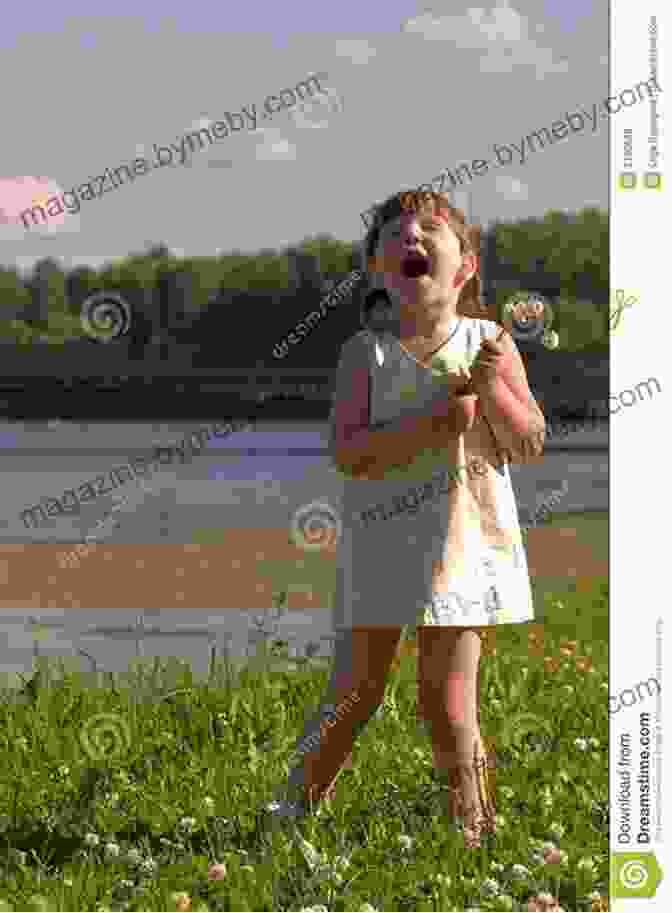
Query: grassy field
[121, 794]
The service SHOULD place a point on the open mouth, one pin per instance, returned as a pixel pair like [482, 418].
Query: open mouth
[414, 266]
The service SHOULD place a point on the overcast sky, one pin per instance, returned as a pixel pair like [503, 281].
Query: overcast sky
[411, 90]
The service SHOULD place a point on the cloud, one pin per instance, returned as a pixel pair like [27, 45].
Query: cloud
[501, 35]
[273, 146]
[317, 112]
[511, 188]
[357, 50]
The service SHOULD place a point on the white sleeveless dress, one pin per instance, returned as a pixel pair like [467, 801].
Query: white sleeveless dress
[430, 544]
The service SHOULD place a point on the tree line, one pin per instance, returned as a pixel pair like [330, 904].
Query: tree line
[232, 309]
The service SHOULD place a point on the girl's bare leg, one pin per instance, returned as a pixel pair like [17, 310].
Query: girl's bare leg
[448, 662]
[362, 660]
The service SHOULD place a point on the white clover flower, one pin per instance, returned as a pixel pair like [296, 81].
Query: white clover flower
[490, 887]
[520, 871]
[91, 839]
[405, 842]
[112, 850]
[133, 856]
[556, 830]
[148, 866]
[581, 744]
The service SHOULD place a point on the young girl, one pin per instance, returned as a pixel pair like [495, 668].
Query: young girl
[437, 394]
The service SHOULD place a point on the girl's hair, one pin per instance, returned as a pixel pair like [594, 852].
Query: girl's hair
[469, 236]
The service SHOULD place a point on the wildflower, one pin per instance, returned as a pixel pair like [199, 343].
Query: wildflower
[520, 871]
[581, 744]
[583, 663]
[598, 903]
[557, 830]
[568, 647]
[490, 886]
[181, 901]
[148, 867]
[133, 856]
[551, 663]
[91, 840]
[112, 850]
[405, 842]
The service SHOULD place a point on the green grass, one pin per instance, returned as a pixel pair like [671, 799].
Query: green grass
[172, 742]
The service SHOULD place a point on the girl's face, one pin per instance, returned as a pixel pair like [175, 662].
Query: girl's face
[418, 255]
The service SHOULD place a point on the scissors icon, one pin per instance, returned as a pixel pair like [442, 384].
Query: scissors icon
[621, 304]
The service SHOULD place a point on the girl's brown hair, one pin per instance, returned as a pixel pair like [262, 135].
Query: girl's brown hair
[469, 303]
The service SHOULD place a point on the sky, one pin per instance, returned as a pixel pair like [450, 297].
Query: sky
[409, 90]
